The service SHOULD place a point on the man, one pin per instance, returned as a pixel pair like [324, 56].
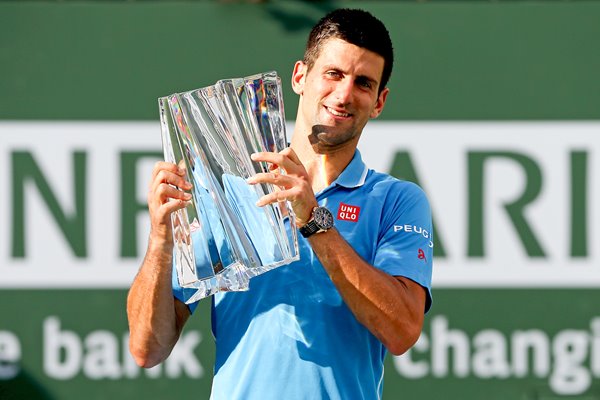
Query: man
[317, 328]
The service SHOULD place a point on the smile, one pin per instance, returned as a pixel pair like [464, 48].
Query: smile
[337, 113]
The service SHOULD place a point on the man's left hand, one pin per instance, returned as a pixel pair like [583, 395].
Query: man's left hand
[294, 183]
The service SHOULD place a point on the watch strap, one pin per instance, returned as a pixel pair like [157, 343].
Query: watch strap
[310, 228]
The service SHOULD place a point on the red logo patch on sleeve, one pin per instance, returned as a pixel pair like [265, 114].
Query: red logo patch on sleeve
[347, 212]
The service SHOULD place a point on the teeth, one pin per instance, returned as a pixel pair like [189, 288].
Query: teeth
[337, 113]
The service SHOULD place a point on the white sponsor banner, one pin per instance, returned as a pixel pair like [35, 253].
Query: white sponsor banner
[49, 260]
[439, 153]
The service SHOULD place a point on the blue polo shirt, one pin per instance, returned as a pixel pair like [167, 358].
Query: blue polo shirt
[291, 336]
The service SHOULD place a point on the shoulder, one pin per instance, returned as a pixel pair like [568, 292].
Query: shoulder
[397, 191]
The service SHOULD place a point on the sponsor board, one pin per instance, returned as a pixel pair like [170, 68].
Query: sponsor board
[508, 343]
[74, 343]
[100, 354]
[530, 344]
[514, 204]
[562, 359]
[74, 202]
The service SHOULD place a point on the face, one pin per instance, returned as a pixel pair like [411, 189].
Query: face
[339, 94]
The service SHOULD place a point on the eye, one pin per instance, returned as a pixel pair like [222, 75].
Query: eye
[365, 83]
[333, 74]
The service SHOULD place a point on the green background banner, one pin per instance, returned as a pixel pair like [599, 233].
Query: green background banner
[454, 60]
[72, 345]
[460, 61]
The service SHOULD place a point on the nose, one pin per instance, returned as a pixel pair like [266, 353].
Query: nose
[344, 91]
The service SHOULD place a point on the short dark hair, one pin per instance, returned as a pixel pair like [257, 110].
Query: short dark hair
[357, 27]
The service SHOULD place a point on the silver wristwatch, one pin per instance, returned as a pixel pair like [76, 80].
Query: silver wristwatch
[320, 221]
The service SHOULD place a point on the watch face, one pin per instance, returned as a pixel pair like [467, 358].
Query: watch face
[323, 218]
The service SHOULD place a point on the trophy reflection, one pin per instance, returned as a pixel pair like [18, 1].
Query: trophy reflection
[222, 239]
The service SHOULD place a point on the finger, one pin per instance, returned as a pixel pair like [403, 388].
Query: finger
[166, 209]
[165, 192]
[273, 178]
[278, 159]
[168, 177]
[166, 166]
[291, 154]
[275, 197]
[268, 166]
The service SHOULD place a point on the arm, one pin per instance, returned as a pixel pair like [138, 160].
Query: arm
[390, 307]
[155, 317]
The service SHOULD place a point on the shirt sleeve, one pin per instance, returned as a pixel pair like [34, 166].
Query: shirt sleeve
[180, 293]
[405, 246]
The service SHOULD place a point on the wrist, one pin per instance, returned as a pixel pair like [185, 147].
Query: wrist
[160, 243]
[300, 222]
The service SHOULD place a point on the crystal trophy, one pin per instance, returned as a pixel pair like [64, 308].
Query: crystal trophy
[221, 238]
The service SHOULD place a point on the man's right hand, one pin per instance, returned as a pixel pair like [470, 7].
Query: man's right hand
[166, 195]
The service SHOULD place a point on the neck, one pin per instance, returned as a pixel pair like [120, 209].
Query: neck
[322, 165]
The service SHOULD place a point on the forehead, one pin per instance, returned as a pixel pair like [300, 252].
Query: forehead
[338, 53]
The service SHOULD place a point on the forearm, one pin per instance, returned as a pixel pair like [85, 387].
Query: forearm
[391, 308]
[155, 317]
[151, 309]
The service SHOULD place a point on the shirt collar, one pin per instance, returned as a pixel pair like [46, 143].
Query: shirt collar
[355, 173]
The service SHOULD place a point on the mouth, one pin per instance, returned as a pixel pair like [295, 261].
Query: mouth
[336, 113]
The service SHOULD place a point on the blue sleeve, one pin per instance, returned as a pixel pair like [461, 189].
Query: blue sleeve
[180, 293]
[405, 246]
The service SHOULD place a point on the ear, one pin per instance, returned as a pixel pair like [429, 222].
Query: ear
[298, 77]
[380, 103]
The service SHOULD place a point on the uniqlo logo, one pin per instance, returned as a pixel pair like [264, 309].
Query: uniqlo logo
[347, 212]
